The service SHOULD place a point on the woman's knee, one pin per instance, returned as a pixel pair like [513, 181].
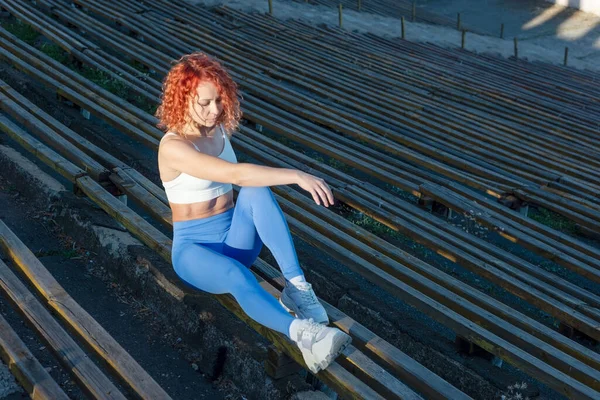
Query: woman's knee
[252, 193]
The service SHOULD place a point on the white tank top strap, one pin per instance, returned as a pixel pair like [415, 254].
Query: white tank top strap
[194, 144]
[175, 134]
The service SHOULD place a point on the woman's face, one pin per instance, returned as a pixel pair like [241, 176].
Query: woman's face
[206, 106]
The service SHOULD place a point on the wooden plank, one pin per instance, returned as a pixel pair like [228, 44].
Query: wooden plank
[374, 376]
[553, 237]
[92, 102]
[585, 216]
[66, 149]
[90, 331]
[86, 373]
[49, 157]
[481, 216]
[460, 238]
[36, 381]
[131, 188]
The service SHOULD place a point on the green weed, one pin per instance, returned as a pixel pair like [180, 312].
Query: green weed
[56, 52]
[139, 66]
[552, 220]
[21, 30]
[104, 80]
[145, 105]
[401, 193]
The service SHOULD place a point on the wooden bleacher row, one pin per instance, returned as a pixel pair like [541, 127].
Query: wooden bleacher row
[30, 373]
[507, 227]
[581, 191]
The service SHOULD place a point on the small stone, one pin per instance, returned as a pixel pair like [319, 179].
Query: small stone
[195, 366]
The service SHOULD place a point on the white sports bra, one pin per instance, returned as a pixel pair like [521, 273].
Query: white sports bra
[187, 189]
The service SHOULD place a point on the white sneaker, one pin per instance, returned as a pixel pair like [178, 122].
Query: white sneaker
[303, 302]
[319, 344]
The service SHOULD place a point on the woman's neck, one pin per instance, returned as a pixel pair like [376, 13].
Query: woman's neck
[193, 129]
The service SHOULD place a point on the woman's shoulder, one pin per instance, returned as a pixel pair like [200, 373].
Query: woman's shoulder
[169, 136]
[169, 139]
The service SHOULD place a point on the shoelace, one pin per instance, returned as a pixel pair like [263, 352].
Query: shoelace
[309, 297]
[307, 335]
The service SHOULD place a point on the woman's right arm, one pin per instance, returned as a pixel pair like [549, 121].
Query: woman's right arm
[180, 156]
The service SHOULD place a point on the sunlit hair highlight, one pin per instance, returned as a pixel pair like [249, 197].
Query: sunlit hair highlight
[180, 86]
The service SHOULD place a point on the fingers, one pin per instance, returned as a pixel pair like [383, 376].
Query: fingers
[328, 192]
[324, 193]
[315, 196]
[319, 190]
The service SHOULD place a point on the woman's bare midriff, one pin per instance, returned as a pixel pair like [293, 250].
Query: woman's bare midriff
[205, 209]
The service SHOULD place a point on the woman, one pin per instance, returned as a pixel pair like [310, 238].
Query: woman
[215, 242]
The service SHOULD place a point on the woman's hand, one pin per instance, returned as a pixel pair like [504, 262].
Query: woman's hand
[320, 191]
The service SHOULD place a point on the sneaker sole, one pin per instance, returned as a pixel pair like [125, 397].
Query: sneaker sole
[297, 314]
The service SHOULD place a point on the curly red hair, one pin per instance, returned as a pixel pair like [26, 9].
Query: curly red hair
[180, 85]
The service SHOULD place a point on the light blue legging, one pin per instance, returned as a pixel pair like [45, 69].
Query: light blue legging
[213, 254]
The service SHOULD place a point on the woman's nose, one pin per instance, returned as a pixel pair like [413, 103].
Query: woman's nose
[214, 107]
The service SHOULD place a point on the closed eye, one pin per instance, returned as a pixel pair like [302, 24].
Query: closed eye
[206, 102]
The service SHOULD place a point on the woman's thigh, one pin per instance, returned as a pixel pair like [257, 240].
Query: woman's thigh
[242, 241]
[204, 267]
